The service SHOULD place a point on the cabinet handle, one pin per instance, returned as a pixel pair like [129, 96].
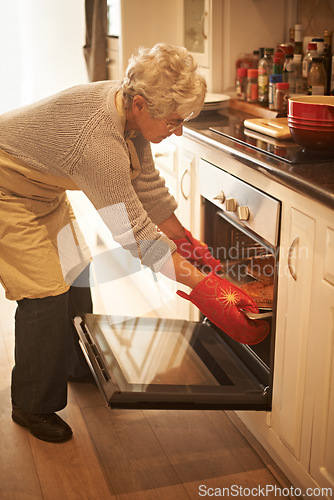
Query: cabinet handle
[291, 250]
[181, 184]
[202, 25]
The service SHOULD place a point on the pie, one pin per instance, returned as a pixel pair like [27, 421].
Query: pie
[262, 292]
[262, 267]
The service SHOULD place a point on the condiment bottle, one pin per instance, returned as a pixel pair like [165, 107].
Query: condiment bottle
[282, 96]
[300, 84]
[328, 35]
[298, 43]
[289, 72]
[307, 61]
[273, 80]
[332, 78]
[277, 66]
[317, 78]
[252, 85]
[241, 83]
[256, 58]
[320, 44]
[292, 36]
[265, 69]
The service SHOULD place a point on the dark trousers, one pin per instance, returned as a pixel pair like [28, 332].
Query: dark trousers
[47, 351]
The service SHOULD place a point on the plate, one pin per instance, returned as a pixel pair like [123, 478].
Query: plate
[215, 102]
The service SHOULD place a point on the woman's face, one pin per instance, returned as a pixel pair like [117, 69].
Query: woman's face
[154, 129]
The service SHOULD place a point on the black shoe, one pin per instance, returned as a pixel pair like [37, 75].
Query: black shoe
[45, 426]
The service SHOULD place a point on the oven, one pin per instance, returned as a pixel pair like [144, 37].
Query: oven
[161, 363]
[241, 228]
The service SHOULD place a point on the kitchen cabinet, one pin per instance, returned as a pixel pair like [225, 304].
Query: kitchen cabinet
[298, 432]
[179, 168]
[113, 62]
[321, 359]
[203, 37]
[188, 192]
[215, 32]
[303, 403]
[295, 287]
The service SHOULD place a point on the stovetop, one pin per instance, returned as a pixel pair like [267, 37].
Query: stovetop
[283, 161]
[286, 150]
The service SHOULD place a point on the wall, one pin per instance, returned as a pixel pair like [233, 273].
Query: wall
[251, 24]
[41, 52]
[316, 16]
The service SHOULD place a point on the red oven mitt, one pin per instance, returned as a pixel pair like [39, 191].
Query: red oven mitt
[196, 252]
[220, 302]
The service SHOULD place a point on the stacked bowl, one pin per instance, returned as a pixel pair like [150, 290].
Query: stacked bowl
[311, 122]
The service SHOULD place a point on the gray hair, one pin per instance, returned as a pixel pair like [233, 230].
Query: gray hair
[166, 77]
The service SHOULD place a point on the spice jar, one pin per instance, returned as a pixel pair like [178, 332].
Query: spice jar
[282, 96]
[241, 83]
[289, 72]
[252, 86]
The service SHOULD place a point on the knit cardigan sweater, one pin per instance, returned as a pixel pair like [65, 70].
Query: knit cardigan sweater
[78, 134]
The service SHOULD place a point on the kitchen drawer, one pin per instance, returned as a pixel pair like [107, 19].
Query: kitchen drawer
[112, 43]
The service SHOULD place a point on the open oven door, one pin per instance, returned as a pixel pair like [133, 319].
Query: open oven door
[171, 364]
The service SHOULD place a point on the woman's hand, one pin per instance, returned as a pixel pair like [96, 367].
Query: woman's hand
[192, 250]
[196, 252]
[220, 302]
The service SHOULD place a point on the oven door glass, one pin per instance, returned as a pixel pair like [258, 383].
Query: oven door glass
[168, 364]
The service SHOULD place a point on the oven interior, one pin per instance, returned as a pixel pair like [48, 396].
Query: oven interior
[250, 263]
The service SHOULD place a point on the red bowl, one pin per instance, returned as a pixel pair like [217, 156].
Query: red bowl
[313, 140]
[306, 126]
[311, 123]
[312, 107]
[309, 120]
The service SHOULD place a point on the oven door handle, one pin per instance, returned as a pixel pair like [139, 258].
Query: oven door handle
[290, 255]
[251, 315]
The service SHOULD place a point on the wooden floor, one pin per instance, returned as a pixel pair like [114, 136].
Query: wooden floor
[123, 455]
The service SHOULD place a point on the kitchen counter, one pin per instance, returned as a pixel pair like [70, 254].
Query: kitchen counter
[315, 180]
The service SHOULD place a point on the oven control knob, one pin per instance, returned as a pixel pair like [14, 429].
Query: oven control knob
[231, 205]
[220, 196]
[243, 213]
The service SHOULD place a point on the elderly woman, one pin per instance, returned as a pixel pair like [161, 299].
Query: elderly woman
[95, 138]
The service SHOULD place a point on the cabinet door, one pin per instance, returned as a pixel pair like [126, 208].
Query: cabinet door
[203, 37]
[293, 331]
[322, 358]
[196, 21]
[112, 58]
[188, 210]
[165, 155]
